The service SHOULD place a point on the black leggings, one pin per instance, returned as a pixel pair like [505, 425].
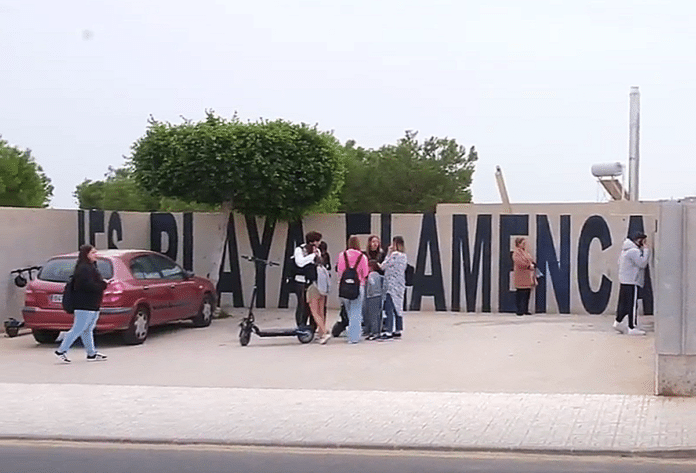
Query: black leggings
[628, 304]
[522, 301]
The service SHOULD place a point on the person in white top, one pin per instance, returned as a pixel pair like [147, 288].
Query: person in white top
[632, 263]
[304, 257]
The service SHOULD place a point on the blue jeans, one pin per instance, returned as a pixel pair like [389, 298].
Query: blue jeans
[83, 327]
[354, 311]
[393, 316]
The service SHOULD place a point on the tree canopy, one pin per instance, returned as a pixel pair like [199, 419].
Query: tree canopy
[22, 181]
[120, 191]
[410, 176]
[275, 169]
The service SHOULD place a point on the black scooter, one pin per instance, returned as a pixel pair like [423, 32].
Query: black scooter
[304, 333]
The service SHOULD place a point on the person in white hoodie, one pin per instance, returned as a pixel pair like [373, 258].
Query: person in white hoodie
[632, 263]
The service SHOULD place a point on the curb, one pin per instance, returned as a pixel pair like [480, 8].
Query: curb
[647, 453]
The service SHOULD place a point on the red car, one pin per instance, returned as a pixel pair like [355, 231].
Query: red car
[144, 289]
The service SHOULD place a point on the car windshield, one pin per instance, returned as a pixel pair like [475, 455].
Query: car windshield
[60, 269]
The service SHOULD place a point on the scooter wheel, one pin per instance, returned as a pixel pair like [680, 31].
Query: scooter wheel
[306, 335]
[12, 331]
[244, 337]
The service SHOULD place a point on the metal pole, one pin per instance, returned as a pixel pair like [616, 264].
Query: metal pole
[634, 144]
[502, 189]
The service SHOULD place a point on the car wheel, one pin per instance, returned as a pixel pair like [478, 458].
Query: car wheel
[205, 313]
[45, 336]
[139, 327]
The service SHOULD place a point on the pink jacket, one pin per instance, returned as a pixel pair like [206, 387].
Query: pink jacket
[524, 274]
[363, 269]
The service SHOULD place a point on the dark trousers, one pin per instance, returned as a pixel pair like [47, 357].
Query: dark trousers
[628, 304]
[522, 301]
[302, 310]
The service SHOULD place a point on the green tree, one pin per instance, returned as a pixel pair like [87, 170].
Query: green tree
[275, 169]
[22, 181]
[120, 191]
[407, 177]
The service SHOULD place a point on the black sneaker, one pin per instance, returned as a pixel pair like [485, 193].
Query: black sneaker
[385, 336]
[62, 356]
[396, 335]
[96, 357]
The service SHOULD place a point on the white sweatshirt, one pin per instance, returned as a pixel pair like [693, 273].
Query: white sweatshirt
[632, 263]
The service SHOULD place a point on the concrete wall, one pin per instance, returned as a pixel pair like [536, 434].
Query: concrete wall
[675, 328]
[461, 253]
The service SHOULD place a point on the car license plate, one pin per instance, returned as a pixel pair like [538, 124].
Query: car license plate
[58, 298]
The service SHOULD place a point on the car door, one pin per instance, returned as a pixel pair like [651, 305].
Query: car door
[183, 291]
[154, 288]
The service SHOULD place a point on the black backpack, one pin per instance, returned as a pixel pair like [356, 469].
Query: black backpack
[349, 285]
[68, 299]
[408, 276]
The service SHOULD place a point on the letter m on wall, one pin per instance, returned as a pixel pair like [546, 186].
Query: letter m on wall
[473, 262]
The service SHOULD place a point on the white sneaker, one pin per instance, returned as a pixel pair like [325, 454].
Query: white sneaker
[621, 327]
[635, 331]
[325, 338]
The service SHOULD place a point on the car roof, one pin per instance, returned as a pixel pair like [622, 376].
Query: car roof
[108, 253]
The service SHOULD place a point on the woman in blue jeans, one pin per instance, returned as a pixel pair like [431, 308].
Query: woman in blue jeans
[354, 258]
[394, 267]
[88, 290]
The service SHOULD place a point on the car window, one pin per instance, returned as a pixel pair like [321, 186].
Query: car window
[142, 268]
[168, 268]
[60, 269]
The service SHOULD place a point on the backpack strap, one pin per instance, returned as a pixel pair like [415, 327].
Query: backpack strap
[357, 261]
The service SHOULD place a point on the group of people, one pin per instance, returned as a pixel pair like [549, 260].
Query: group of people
[373, 309]
[633, 260]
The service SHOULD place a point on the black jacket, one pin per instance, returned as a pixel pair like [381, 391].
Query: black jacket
[88, 287]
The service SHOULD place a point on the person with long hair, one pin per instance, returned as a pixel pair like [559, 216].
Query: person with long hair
[317, 292]
[354, 258]
[88, 290]
[524, 275]
[374, 250]
[394, 267]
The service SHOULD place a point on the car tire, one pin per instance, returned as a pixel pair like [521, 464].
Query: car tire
[139, 327]
[45, 336]
[205, 313]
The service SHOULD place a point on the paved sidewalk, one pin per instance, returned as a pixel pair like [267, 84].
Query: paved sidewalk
[550, 423]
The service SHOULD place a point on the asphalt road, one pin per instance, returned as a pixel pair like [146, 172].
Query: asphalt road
[21, 457]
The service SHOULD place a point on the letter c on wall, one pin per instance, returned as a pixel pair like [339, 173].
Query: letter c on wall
[593, 302]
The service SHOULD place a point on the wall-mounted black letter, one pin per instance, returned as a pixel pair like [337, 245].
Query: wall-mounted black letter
[260, 249]
[231, 281]
[593, 302]
[114, 226]
[428, 285]
[479, 261]
[188, 241]
[160, 223]
[558, 268]
[96, 225]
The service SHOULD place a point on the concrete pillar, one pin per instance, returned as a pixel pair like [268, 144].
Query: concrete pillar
[675, 299]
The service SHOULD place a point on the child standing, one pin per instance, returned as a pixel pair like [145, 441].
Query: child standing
[374, 300]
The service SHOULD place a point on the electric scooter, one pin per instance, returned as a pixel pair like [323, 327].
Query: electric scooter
[304, 333]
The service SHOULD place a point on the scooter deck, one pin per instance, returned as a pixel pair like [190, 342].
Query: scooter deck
[280, 332]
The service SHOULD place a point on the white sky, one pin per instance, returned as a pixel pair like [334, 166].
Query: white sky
[539, 87]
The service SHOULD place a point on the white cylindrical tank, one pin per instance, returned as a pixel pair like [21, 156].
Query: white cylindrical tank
[607, 169]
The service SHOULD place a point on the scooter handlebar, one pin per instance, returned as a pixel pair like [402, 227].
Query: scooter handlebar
[254, 259]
